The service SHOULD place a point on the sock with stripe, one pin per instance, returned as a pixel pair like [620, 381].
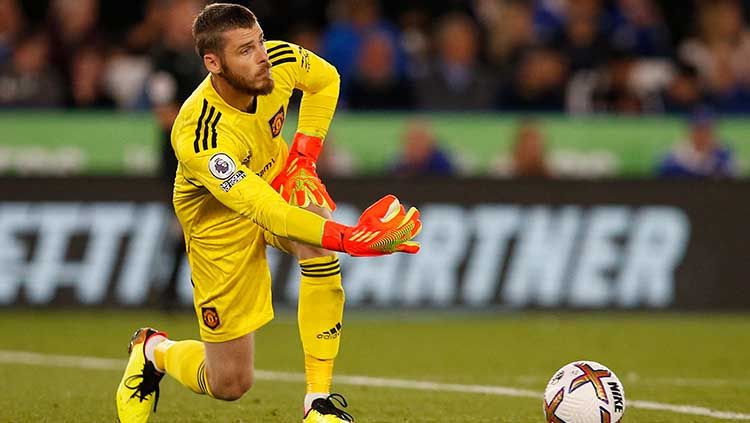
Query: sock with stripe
[184, 361]
[320, 312]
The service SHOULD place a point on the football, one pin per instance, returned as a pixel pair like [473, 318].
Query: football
[584, 392]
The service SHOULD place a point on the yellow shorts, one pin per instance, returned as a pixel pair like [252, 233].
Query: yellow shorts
[231, 290]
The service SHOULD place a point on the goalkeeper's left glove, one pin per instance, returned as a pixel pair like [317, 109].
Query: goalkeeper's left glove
[298, 183]
[384, 228]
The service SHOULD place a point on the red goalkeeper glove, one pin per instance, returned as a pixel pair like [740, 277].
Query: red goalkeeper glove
[298, 183]
[384, 228]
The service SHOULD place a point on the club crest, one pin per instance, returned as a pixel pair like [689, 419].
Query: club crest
[277, 122]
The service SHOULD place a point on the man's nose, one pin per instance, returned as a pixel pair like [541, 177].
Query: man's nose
[263, 55]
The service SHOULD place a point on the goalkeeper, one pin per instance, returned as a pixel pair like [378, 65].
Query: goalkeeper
[238, 189]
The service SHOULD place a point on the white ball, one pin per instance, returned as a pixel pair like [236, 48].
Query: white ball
[584, 392]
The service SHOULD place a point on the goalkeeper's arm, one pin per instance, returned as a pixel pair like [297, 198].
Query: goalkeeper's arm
[383, 229]
[319, 82]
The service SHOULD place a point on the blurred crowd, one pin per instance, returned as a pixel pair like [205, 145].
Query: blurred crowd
[576, 56]
[700, 154]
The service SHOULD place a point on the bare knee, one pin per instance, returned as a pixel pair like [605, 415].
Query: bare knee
[229, 367]
[304, 251]
[231, 386]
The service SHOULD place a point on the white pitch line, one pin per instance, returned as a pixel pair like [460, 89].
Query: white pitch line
[50, 360]
[689, 409]
[97, 363]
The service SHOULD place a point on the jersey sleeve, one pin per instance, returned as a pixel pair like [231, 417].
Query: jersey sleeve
[318, 80]
[221, 172]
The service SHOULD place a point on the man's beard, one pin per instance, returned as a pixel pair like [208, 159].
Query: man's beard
[246, 86]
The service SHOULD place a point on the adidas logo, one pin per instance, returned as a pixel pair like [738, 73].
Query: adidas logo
[331, 333]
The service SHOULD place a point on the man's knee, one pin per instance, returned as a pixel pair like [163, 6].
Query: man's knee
[229, 367]
[304, 251]
[231, 386]
[320, 211]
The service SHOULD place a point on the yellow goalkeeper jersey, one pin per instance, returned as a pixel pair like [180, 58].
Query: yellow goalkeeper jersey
[227, 159]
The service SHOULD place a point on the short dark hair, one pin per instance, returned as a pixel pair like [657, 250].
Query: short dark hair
[214, 20]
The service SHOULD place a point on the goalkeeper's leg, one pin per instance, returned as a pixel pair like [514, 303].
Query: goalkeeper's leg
[320, 313]
[221, 370]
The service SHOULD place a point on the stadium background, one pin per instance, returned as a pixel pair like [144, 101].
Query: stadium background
[581, 166]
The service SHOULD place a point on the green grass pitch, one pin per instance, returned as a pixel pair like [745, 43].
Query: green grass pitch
[690, 359]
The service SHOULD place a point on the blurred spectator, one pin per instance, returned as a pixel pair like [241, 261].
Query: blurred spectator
[540, 51]
[527, 157]
[28, 80]
[702, 155]
[529, 153]
[614, 94]
[639, 28]
[538, 83]
[624, 85]
[684, 91]
[307, 36]
[585, 9]
[12, 22]
[606, 89]
[146, 34]
[376, 84]
[721, 53]
[342, 42]
[549, 18]
[125, 78]
[415, 39]
[456, 80]
[336, 160]
[583, 40]
[177, 67]
[87, 82]
[510, 28]
[73, 23]
[421, 154]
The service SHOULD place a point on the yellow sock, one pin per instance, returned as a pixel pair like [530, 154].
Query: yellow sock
[318, 374]
[186, 362]
[320, 311]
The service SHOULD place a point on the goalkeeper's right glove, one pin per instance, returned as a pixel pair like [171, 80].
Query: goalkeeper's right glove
[384, 228]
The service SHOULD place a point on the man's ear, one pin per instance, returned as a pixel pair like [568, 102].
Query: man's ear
[212, 63]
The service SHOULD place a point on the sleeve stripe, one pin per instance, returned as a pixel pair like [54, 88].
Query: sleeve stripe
[278, 47]
[196, 146]
[284, 60]
[204, 122]
[281, 53]
[205, 129]
[213, 130]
